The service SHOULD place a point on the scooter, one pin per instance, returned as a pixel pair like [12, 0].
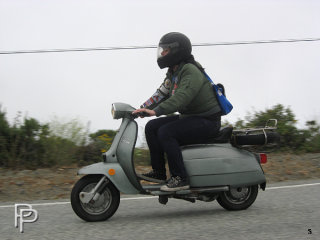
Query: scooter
[217, 170]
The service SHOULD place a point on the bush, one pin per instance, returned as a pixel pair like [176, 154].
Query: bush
[30, 144]
[292, 138]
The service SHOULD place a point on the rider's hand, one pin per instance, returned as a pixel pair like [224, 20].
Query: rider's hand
[148, 112]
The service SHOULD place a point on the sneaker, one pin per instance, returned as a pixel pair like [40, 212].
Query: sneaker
[154, 176]
[175, 184]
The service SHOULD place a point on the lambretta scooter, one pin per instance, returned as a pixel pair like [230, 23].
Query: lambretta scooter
[217, 170]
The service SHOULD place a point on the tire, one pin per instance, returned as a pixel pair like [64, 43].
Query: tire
[100, 210]
[238, 198]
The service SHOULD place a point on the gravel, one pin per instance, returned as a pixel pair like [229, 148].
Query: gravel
[56, 183]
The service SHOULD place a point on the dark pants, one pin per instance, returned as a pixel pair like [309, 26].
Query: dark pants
[167, 134]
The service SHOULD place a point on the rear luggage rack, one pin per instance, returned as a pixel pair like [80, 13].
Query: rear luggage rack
[266, 135]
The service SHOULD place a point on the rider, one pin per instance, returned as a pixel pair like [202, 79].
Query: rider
[185, 90]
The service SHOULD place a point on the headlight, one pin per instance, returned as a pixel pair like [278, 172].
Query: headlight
[113, 111]
[121, 110]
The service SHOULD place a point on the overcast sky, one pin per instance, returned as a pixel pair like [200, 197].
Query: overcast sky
[84, 84]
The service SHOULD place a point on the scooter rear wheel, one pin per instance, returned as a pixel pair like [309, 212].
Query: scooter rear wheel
[101, 209]
[238, 198]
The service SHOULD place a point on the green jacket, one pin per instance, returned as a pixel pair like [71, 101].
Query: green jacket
[189, 93]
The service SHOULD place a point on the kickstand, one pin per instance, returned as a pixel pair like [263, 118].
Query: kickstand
[163, 199]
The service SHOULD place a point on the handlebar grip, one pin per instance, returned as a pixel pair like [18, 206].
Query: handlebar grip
[141, 114]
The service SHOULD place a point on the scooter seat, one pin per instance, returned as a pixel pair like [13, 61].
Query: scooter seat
[224, 136]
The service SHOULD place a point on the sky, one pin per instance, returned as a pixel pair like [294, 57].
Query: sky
[83, 85]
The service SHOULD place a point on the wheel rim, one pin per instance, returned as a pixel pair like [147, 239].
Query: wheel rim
[238, 195]
[99, 206]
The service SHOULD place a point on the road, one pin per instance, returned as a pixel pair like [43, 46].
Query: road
[288, 210]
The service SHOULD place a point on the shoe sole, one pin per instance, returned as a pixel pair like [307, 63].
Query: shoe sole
[165, 188]
[150, 179]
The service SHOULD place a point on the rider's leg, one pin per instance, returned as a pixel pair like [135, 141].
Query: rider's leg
[184, 131]
[156, 150]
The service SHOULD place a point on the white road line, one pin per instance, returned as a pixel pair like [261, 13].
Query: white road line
[151, 197]
[137, 198]
[62, 203]
[38, 204]
[293, 186]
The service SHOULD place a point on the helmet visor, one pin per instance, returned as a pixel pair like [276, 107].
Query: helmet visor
[162, 52]
[164, 49]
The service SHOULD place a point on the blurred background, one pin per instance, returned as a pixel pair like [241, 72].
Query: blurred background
[55, 106]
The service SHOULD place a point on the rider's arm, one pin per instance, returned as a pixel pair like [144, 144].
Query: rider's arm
[159, 96]
[189, 85]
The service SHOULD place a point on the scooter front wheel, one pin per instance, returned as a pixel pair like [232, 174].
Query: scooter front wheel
[96, 210]
[239, 198]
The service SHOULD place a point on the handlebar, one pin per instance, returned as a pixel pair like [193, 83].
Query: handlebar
[140, 114]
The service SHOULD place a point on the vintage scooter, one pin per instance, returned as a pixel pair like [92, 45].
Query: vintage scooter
[217, 170]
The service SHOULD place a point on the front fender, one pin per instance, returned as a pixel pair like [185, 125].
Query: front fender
[119, 178]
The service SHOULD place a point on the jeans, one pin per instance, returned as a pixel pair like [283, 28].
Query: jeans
[167, 134]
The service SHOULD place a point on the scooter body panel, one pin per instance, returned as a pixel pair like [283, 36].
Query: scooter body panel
[125, 151]
[119, 178]
[221, 165]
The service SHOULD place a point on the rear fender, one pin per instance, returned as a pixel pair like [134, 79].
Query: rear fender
[117, 177]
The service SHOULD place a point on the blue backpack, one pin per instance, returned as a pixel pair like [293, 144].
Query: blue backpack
[225, 105]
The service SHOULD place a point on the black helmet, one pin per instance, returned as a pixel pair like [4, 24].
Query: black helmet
[179, 47]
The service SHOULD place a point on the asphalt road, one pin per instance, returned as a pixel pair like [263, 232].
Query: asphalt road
[284, 211]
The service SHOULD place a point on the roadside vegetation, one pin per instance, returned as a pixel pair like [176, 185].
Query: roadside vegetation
[29, 144]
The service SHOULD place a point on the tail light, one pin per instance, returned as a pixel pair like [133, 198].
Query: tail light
[263, 158]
